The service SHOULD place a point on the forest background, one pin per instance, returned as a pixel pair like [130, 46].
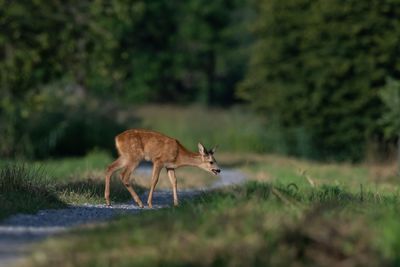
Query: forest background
[312, 79]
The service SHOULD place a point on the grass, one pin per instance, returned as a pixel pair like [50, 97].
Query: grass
[92, 168]
[212, 126]
[257, 224]
[26, 187]
[79, 180]
[304, 173]
[294, 213]
[24, 190]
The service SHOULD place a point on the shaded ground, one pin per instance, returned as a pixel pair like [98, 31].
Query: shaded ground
[18, 233]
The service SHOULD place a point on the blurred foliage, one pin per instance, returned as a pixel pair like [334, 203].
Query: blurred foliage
[62, 122]
[316, 66]
[137, 51]
[234, 129]
[390, 96]
[59, 59]
[312, 68]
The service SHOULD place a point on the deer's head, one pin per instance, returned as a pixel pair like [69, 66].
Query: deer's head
[208, 161]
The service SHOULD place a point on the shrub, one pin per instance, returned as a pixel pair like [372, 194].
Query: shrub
[60, 120]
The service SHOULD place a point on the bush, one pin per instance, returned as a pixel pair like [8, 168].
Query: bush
[60, 120]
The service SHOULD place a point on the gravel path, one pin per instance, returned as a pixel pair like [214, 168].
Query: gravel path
[19, 232]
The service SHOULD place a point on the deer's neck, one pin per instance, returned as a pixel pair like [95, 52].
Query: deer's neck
[187, 158]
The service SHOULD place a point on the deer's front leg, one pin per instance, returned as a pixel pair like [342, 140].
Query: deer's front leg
[154, 180]
[172, 179]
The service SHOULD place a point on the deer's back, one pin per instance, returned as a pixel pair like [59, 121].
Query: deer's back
[146, 144]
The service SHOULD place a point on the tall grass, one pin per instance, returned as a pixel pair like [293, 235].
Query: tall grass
[24, 189]
[235, 129]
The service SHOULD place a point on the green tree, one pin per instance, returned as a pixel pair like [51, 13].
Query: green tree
[131, 51]
[140, 51]
[211, 39]
[317, 67]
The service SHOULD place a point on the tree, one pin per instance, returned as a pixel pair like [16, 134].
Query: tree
[210, 39]
[317, 67]
[130, 51]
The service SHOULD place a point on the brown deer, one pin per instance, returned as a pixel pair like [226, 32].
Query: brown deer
[165, 152]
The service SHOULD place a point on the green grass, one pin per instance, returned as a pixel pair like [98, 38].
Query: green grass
[346, 216]
[56, 183]
[236, 129]
[285, 170]
[257, 224]
[81, 180]
[72, 168]
[68, 168]
[26, 187]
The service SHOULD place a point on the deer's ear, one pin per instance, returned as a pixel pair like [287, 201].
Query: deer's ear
[212, 151]
[202, 149]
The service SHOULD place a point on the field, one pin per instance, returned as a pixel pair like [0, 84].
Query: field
[314, 127]
[57, 182]
[290, 213]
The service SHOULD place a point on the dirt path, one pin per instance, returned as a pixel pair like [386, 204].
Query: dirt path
[19, 232]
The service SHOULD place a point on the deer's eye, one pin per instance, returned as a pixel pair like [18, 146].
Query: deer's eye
[211, 162]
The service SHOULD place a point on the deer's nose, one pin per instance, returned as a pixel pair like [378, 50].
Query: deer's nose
[216, 171]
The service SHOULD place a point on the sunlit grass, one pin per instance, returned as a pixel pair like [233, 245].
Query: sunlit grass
[284, 170]
[235, 129]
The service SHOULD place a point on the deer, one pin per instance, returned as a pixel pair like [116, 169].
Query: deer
[136, 145]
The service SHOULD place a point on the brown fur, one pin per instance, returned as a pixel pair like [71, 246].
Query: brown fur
[165, 152]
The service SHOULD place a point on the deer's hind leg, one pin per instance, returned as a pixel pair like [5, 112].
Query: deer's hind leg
[125, 174]
[110, 170]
